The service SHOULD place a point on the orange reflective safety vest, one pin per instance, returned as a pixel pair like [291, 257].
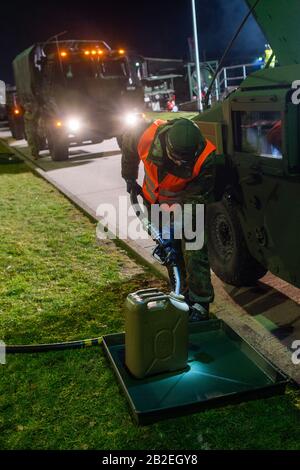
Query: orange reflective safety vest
[165, 191]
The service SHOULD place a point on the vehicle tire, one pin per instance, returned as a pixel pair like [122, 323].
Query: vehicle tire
[229, 256]
[58, 147]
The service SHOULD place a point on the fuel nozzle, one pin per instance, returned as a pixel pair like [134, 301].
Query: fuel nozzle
[165, 253]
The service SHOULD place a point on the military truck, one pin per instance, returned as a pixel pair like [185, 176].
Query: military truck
[14, 113]
[75, 91]
[254, 226]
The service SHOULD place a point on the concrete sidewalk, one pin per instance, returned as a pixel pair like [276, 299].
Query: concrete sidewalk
[92, 177]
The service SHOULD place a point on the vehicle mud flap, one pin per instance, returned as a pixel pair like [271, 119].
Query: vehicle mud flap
[17, 130]
[58, 146]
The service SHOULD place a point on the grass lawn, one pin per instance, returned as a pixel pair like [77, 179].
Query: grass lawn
[166, 115]
[56, 283]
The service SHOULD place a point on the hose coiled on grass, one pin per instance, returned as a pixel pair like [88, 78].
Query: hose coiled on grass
[33, 348]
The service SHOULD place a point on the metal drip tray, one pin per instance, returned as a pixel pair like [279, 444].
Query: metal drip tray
[222, 369]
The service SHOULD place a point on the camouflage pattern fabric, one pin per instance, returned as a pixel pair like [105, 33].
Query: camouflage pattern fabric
[196, 274]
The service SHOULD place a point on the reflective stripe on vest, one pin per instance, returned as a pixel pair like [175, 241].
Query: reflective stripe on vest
[150, 185]
[167, 190]
[149, 188]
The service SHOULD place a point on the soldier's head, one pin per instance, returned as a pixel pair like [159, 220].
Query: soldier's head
[184, 142]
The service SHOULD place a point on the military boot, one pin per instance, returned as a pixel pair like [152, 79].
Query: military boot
[199, 312]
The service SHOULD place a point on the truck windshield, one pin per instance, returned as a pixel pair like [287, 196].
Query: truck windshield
[75, 70]
[113, 69]
[90, 69]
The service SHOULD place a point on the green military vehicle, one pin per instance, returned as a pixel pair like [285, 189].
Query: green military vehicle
[75, 91]
[255, 225]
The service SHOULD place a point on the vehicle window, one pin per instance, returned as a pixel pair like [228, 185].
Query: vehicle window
[113, 69]
[77, 70]
[89, 69]
[259, 133]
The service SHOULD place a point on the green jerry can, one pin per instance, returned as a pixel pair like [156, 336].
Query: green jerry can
[156, 333]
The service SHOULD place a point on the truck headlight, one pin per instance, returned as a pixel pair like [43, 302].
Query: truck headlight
[74, 124]
[131, 119]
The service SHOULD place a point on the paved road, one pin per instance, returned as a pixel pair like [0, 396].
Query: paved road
[267, 315]
[91, 173]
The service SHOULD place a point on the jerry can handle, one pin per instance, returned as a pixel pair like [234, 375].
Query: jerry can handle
[156, 302]
[158, 298]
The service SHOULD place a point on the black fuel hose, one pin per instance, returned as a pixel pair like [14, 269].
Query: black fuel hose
[156, 236]
[37, 348]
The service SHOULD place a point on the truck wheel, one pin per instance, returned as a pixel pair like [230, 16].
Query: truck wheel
[229, 256]
[58, 147]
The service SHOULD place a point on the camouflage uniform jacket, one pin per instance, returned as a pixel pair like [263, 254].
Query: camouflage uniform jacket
[200, 190]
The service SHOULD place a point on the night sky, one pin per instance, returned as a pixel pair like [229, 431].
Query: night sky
[151, 28]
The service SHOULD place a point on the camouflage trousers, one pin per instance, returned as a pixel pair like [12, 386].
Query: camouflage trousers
[194, 268]
[194, 272]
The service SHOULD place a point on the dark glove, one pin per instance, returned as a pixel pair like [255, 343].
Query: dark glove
[133, 185]
[166, 253]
